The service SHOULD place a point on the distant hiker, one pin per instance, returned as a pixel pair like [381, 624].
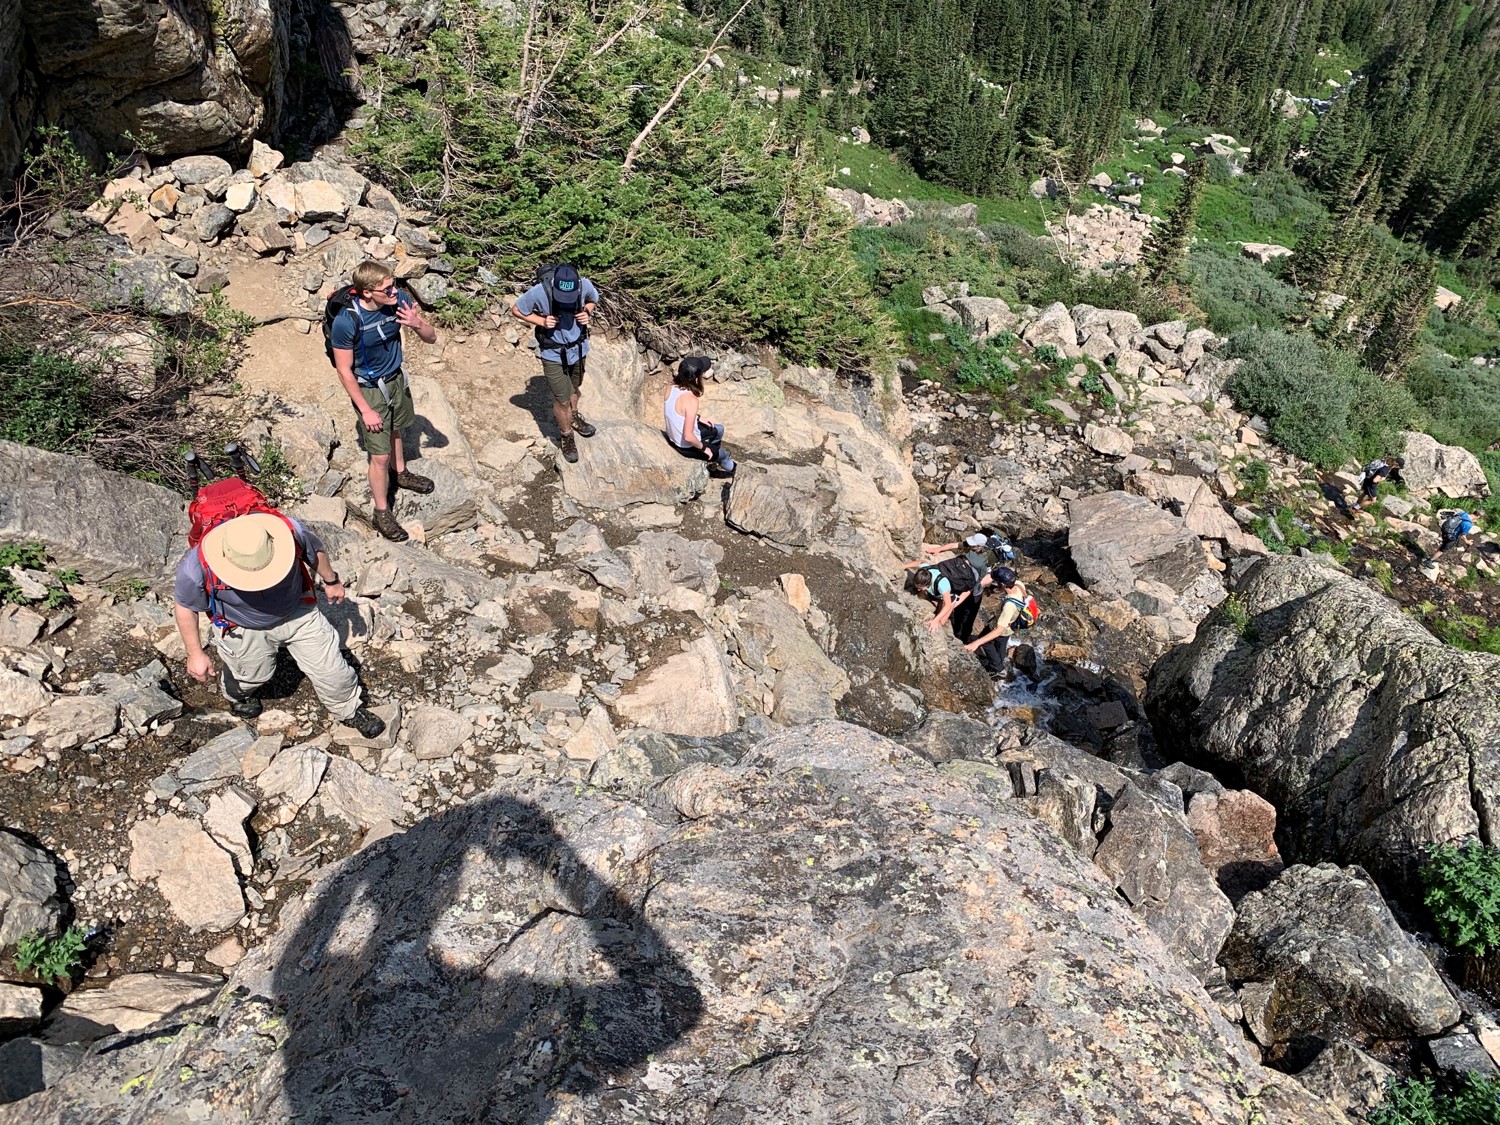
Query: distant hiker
[956, 585]
[253, 575]
[363, 324]
[1456, 528]
[689, 430]
[1018, 610]
[987, 549]
[1376, 472]
[558, 306]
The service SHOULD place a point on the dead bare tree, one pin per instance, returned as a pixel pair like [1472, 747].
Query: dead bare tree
[666, 107]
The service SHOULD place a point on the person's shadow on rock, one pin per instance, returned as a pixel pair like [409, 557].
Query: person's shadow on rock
[537, 398]
[475, 980]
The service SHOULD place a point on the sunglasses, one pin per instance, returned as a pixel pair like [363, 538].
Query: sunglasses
[389, 290]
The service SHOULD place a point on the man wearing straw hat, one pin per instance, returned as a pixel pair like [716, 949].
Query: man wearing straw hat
[251, 576]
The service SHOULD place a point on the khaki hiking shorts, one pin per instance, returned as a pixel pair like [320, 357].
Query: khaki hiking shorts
[564, 379]
[398, 414]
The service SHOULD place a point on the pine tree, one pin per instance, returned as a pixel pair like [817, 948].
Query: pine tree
[1170, 238]
[1394, 342]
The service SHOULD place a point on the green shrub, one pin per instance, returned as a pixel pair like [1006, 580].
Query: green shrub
[1254, 477]
[984, 368]
[1236, 613]
[1418, 1101]
[1458, 338]
[1321, 404]
[31, 556]
[1466, 631]
[1462, 890]
[1236, 293]
[722, 231]
[52, 956]
[44, 398]
[1462, 401]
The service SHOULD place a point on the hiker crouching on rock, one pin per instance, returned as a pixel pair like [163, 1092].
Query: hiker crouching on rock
[1376, 472]
[982, 552]
[559, 306]
[956, 585]
[1456, 528]
[366, 342]
[1017, 611]
[690, 431]
[251, 575]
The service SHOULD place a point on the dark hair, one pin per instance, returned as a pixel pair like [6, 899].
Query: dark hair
[1003, 576]
[690, 372]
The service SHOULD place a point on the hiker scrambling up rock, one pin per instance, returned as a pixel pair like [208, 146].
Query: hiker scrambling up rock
[1376, 472]
[558, 306]
[689, 430]
[982, 552]
[956, 585]
[1018, 610]
[253, 575]
[363, 325]
[1456, 528]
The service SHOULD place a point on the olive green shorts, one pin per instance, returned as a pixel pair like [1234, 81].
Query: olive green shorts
[398, 414]
[564, 379]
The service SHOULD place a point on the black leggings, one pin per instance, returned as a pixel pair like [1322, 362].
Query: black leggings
[992, 655]
[963, 618]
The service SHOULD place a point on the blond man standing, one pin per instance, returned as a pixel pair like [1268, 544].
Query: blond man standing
[367, 353]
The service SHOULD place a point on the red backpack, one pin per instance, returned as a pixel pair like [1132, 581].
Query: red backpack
[224, 500]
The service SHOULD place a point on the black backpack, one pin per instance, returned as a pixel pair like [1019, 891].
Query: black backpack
[961, 576]
[339, 300]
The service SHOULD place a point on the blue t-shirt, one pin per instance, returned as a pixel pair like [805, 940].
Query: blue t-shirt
[260, 610]
[551, 342]
[377, 351]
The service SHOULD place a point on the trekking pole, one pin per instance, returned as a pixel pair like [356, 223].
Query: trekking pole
[194, 466]
[241, 459]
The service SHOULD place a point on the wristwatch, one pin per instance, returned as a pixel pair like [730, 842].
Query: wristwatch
[334, 581]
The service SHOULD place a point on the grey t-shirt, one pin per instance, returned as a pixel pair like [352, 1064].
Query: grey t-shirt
[552, 341]
[252, 611]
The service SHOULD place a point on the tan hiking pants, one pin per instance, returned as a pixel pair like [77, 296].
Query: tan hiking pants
[250, 659]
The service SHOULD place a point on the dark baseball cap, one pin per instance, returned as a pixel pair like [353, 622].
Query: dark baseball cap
[566, 285]
[1003, 576]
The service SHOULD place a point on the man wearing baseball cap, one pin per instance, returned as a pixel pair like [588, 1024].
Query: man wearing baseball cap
[558, 307]
[252, 576]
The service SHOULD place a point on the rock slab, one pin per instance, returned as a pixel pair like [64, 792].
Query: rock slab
[565, 955]
[104, 524]
[1371, 737]
[194, 874]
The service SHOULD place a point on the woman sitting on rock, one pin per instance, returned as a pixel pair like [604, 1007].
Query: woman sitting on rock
[692, 433]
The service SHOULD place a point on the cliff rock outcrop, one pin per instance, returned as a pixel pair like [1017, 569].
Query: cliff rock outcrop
[830, 928]
[1370, 736]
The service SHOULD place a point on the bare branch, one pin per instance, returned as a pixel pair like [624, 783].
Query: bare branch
[666, 106]
[525, 57]
[632, 21]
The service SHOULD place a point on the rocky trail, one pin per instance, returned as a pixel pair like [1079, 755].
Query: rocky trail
[681, 812]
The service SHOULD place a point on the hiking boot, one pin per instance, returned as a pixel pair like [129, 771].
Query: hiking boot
[385, 523]
[367, 723]
[569, 448]
[582, 428]
[247, 708]
[413, 482]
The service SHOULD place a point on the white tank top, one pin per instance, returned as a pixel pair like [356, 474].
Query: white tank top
[674, 419]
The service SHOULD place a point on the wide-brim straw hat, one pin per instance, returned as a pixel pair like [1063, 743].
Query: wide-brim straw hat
[250, 553]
